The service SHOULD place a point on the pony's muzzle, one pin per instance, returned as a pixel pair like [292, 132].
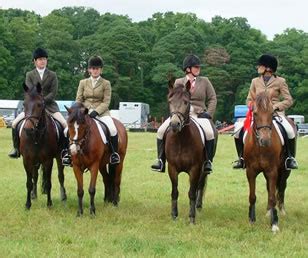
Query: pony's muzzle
[175, 124]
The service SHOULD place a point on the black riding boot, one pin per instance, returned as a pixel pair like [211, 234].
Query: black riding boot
[239, 148]
[159, 166]
[65, 153]
[15, 152]
[114, 157]
[209, 147]
[290, 161]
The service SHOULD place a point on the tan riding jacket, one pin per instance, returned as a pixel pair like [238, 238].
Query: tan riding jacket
[97, 97]
[281, 97]
[204, 93]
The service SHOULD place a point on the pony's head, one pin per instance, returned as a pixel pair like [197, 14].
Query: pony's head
[263, 118]
[34, 101]
[179, 105]
[77, 125]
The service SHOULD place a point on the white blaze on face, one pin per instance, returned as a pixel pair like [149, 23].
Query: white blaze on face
[73, 147]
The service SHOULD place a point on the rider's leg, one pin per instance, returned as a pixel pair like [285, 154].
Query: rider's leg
[239, 144]
[64, 139]
[209, 143]
[290, 162]
[15, 136]
[159, 166]
[114, 141]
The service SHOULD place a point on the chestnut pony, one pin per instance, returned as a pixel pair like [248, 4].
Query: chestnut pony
[184, 150]
[39, 145]
[90, 152]
[263, 152]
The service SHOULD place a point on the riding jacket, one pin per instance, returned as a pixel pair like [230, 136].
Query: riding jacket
[278, 88]
[96, 98]
[49, 85]
[202, 93]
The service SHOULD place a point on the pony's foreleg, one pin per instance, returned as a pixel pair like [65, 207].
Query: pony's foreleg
[34, 189]
[251, 176]
[272, 177]
[92, 189]
[192, 194]
[29, 186]
[79, 178]
[47, 169]
[173, 174]
[63, 195]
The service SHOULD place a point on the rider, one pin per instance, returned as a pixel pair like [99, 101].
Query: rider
[49, 82]
[201, 91]
[281, 99]
[95, 94]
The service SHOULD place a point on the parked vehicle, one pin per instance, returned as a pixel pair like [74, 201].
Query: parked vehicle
[302, 129]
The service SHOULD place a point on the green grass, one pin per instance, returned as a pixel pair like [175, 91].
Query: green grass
[141, 226]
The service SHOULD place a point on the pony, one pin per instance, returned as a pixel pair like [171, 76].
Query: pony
[89, 152]
[39, 145]
[264, 152]
[184, 149]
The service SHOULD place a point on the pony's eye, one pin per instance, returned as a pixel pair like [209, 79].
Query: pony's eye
[185, 102]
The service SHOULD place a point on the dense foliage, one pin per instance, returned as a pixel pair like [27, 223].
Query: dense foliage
[141, 56]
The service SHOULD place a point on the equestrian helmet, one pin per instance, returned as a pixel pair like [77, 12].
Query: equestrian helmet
[39, 52]
[95, 62]
[268, 61]
[190, 61]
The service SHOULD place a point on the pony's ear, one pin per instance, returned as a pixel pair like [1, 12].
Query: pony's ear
[171, 81]
[69, 110]
[188, 85]
[86, 111]
[24, 85]
[39, 87]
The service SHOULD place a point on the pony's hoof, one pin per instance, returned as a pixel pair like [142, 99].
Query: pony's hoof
[79, 214]
[27, 206]
[49, 204]
[275, 228]
[192, 221]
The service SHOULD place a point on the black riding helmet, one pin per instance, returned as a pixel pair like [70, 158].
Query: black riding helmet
[39, 52]
[95, 62]
[268, 61]
[190, 61]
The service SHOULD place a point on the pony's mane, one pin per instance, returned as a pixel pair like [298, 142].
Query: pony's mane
[77, 113]
[263, 102]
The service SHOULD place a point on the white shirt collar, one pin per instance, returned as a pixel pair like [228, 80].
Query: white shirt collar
[41, 72]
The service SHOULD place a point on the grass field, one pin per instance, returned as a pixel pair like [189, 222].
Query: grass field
[141, 226]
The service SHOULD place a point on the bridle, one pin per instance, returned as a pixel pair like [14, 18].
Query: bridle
[79, 142]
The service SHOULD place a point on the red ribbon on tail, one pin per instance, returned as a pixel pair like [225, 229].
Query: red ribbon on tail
[248, 120]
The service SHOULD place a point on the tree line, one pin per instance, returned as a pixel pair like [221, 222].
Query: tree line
[139, 57]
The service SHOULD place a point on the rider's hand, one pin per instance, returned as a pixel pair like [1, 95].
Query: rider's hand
[204, 115]
[93, 114]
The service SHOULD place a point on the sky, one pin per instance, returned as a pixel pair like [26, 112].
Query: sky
[270, 16]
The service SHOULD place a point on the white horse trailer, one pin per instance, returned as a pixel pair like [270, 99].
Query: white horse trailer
[134, 114]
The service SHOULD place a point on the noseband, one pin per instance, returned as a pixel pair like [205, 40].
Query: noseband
[80, 142]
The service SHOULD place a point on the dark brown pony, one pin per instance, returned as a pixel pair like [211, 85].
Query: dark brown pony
[89, 152]
[263, 152]
[39, 145]
[184, 150]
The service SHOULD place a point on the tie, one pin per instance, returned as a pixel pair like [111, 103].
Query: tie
[192, 85]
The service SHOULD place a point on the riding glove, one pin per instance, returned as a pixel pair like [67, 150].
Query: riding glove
[93, 114]
[204, 115]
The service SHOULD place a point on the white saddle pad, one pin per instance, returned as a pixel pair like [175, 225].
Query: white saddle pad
[277, 129]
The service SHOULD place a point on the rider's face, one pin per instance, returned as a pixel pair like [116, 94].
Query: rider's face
[40, 62]
[261, 69]
[195, 70]
[95, 71]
